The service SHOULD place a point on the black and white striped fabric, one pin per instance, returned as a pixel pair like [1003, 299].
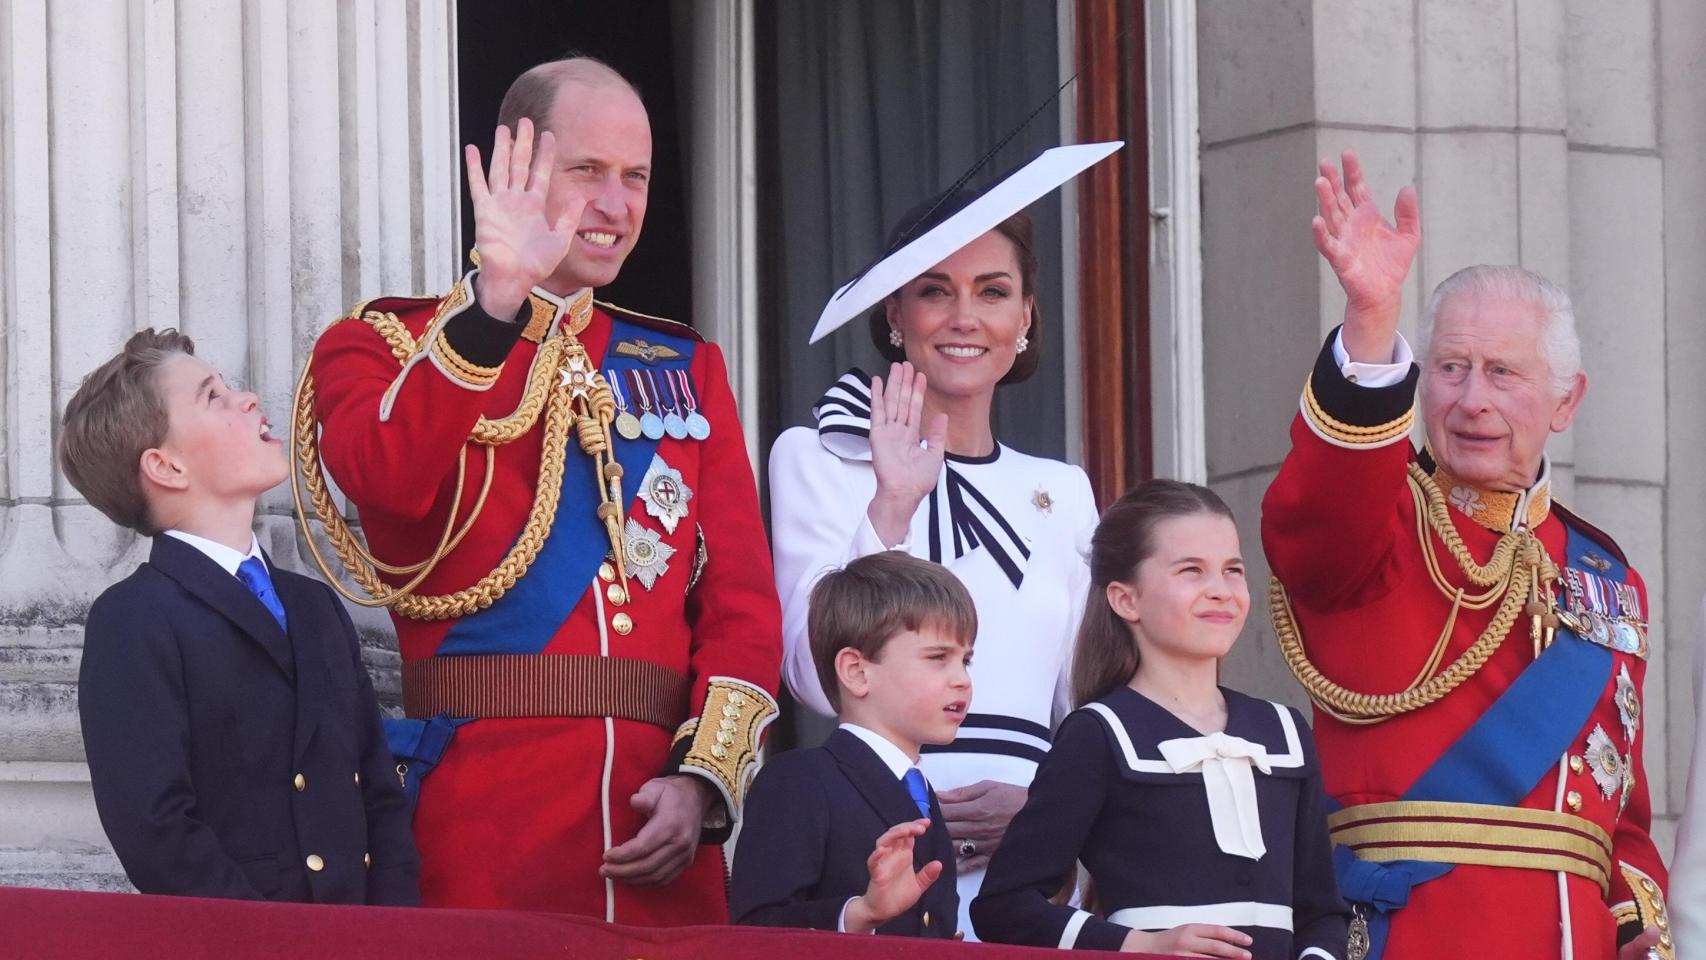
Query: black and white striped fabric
[962, 519]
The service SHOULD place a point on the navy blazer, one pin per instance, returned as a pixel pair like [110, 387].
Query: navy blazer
[811, 821]
[230, 759]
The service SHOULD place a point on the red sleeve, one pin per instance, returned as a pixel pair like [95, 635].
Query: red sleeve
[1639, 879]
[1341, 484]
[733, 612]
[392, 427]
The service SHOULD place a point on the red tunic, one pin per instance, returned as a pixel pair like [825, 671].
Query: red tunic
[520, 811]
[1339, 527]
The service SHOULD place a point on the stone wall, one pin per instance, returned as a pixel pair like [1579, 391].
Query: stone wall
[1564, 135]
[242, 170]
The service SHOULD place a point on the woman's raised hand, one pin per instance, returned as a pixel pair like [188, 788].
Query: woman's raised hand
[905, 455]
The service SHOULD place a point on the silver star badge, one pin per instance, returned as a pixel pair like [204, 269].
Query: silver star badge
[647, 554]
[1628, 704]
[1605, 762]
[665, 494]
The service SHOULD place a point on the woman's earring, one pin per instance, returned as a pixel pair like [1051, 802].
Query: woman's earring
[895, 338]
[1022, 344]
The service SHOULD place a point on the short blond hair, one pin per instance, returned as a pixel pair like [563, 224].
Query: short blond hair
[115, 415]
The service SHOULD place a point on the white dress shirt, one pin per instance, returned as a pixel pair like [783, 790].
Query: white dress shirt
[221, 554]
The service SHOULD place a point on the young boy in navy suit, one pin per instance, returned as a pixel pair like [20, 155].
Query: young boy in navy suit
[848, 836]
[233, 739]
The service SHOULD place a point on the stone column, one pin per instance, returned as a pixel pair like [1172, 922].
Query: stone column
[241, 170]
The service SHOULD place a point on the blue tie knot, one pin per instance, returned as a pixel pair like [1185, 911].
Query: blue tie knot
[914, 780]
[254, 575]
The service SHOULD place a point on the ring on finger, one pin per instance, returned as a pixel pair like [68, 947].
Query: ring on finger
[967, 848]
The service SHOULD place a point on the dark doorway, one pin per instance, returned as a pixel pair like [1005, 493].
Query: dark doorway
[499, 39]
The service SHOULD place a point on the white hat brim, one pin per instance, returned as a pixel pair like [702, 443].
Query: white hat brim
[1017, 191]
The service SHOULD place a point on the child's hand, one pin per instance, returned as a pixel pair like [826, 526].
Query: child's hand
[1190, 940]
[894, 887]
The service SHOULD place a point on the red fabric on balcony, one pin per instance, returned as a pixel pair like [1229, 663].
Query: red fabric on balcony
[58, 925]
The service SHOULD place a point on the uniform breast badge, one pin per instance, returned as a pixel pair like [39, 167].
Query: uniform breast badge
[1605, 762]
[1628, 704]
[627, 425]
[647, 352]
[698, 427]
[647, 554]
[665, 494]
[1042, 501]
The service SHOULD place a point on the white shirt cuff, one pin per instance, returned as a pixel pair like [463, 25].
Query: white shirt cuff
[1374, 375]
[866, 541]
[841, 921]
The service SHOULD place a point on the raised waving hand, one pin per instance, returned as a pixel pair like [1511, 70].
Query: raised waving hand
[1370, 255]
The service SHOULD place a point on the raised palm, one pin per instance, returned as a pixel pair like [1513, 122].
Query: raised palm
[1370, 256]
[519, 244]
[906, 469]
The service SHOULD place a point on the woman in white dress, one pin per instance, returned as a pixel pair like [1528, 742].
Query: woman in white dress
[1688, 867]
[921, 470]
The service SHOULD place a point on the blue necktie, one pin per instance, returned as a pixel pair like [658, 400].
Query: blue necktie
[254, 575]
[914, 781]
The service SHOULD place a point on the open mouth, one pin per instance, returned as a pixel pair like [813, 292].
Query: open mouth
[599, 238]
[956, 710]
[960, 352]
[266, 431]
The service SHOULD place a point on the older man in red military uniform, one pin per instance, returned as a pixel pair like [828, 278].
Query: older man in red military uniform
[1475, 651]
[563, 522]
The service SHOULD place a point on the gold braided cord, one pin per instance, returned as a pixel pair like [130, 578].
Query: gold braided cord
[360, 564]
[490, 432]
[1518, 566]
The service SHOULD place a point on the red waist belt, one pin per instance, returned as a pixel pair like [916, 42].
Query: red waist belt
[524, 685]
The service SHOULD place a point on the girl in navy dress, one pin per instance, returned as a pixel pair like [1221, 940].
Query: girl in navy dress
[1197, 811]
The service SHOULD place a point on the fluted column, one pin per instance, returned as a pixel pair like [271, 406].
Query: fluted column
[244, 171]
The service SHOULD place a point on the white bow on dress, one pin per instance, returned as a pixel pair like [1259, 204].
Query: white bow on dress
[1226, 763]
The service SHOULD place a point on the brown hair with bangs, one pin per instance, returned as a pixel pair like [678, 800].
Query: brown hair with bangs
[1105, 657]
[115, 415]
[868, 602]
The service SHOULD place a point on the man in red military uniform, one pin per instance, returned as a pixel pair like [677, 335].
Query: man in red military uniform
[563, 522]
[1475, 652]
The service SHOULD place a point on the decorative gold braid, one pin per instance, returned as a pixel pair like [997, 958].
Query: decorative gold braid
[1518, 571]
[489, 432]
[364, 568]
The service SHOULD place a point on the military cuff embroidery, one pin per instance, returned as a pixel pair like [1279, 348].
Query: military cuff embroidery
[1356, 417]
[723, 744]
[1647, 909]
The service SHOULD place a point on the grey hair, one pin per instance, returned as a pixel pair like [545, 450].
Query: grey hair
[1560, 347]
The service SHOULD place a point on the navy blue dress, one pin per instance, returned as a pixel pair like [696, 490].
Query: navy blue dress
[1107, 797]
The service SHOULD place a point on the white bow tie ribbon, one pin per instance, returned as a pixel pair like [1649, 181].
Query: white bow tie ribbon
[1226, 764]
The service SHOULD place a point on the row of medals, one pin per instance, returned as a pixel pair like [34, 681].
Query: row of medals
[653, 427]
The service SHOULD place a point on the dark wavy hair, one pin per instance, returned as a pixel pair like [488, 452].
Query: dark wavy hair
[1018, 230]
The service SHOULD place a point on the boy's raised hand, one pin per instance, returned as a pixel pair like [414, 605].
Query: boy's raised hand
[1190, 940]
[894, 886]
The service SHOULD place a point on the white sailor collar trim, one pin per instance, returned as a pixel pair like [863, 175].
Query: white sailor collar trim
[962, 519]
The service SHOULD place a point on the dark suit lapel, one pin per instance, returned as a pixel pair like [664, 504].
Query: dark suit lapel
[306, 640]
[873, 779]
[197, 573]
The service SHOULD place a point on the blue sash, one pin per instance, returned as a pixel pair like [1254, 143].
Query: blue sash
[1499, 760]
[418, 746]
[525, 619]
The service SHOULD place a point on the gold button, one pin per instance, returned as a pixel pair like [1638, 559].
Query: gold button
[1573, 800]
[1665, 940]
[731, 712]
[927, 918]
[315, 863]
[737, 698]
[725, 738]
[616, 594]
[1661, 921]
[300, 783]
[726, 724]
[719, 751]
[622, 624]
[367, 860]
[1575, 764]
[1649, 886]
[606, 572]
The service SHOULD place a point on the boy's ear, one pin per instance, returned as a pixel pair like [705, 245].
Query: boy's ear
[157, 467]
[1122, 597]
[850, 672]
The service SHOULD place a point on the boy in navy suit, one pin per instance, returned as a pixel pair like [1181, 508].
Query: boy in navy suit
[233, 739]
[848, 836]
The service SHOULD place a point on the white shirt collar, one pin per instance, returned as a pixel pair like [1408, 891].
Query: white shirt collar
[219, 553]
[892, 756]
